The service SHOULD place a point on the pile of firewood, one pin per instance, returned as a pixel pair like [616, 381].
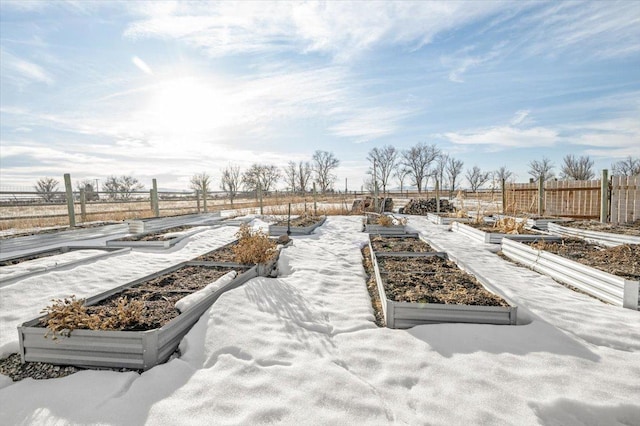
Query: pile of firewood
[422, 206]
[368, 205]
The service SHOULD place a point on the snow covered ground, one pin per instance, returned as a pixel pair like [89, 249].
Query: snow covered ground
[303, 349]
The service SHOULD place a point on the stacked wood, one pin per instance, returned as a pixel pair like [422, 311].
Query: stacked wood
[422, 206]
[368, 205]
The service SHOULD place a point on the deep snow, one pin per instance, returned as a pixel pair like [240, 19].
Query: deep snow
[303, 349]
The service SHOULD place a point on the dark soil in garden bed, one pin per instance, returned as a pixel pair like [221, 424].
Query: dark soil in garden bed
[399, 244]
[157, 236]
[433, 280]
[223, 254]
[630, 228]
[160, 295]
[301, 221]
[622, 261]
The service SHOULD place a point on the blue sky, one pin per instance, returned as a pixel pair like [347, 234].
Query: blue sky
[168, 89]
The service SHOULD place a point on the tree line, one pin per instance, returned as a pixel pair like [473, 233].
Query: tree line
[416, 165]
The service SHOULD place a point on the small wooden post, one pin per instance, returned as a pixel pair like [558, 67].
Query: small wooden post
[437, 196]
[289, 221]
[205, 190]
[604, 196]
[260, 196]
[198, 200]
[315, 206]
[69, 191]
[504, 196]
[83, 205]
[541, 196]
[375, 188]
[155, 204]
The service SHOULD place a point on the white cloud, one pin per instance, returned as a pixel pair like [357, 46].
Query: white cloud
[22, 71]
[519, 117]
[367, 124]
[142, 65]
[340, 29]
[505, 137]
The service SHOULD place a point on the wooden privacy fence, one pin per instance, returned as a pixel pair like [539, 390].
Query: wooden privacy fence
[625, 199]
[577, 199]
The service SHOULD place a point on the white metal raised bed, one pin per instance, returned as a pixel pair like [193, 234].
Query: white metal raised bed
[406, 314]
[605, 238]
[277, 230]
[495, 237]
[9, 278]
[122, 349]
[605, 286]
[169, 242]
[441, 219]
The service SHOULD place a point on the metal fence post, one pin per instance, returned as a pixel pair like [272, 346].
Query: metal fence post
[69, 191]
[604, 196]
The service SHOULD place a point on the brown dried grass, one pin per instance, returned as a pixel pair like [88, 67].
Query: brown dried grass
[253, 246]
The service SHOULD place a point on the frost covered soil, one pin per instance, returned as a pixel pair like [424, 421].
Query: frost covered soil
[164, 235]
[303, 348]
[399, 244]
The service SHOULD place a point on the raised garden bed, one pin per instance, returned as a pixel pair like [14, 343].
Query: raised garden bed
[303, 225]
[157, 239]
[409, 243]
[422, 288]
[39, 261]
[145, 344]
[593, 231]
[486, 233]
[574, 266]
[446, 218]
[372, 225]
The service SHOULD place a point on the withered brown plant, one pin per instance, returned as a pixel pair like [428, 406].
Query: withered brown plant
[253, 246]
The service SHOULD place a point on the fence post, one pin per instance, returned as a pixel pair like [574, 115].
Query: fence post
[437, 196]
[83, 205]
[504, 196]
[260, 196]
[315, 207]
[541, 196]
[604, 196]
[69, 191]
[155, 205]
[198, 200]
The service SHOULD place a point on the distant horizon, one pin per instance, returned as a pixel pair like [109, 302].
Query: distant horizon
[168, 89]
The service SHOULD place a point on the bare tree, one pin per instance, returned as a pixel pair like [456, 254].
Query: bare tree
[440, 168]
[503, 174]
[121, 187]
[304, 175]
[477, 178]
[46, 188]
[417, 160]
[230, 181]
[401, 174]
[261, 176]
[291, 175]
[542, 168]
[577, 168]
[628, 167]
[384, 160]
[200, 182]
[323, 164]
[87, 186]
[454, 168]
